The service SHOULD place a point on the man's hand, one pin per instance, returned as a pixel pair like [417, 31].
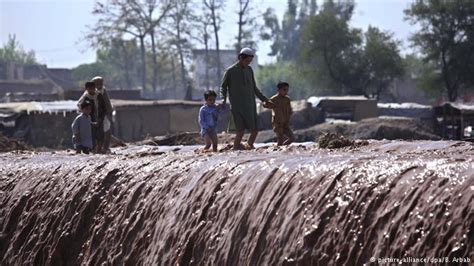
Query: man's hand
[268, 104]
[94, 124]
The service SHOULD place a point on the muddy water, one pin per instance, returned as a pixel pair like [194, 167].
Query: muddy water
[290, 206]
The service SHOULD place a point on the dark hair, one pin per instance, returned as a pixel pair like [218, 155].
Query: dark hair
[209, 93]
[89, 84]
[85, 104]
[243, 56]
[282, 84]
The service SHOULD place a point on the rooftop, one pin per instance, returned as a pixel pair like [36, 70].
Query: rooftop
[70, 106]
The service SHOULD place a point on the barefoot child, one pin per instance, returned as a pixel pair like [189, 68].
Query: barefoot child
[281, 113]
[208, 117]
[91, 96]
[81, 129]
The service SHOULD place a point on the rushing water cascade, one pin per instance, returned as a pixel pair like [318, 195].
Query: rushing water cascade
[272, 206]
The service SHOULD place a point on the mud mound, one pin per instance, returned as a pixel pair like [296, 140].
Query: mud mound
[391, 128]
[336, 141]
[296, 205]
[7, 144]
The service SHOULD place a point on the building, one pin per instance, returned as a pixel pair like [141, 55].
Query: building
[354, 108]
[40, 83]
[35, 82]
[48, 124]
[455, 120]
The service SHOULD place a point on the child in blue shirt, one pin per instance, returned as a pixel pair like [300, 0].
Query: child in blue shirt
[208, 117]
[81, 129]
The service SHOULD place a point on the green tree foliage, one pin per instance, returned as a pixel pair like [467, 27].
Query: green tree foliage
[285, 38]
[384, 62]
[137, 18]
[246, 23]
[342, 58]
[426, 75]
[179, 35]
[85, 72]
[269, 75]
[446, 39]
[13, 53]
[117, 60]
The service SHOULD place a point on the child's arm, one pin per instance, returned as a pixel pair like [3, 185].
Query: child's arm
[202, 119]
[224, 87]
[79, 102]
[76, 138]
[289, 107]
[221, 109]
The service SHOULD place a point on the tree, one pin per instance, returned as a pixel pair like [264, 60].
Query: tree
[117, 62]
[85, 72]
[203, 36]
[269, 75]
[345, 60]
[286, 37]
[446, 39]
[13, 53]
[136, 18]
[383, 59]
[213, 6]
[148, 11]
[179, 20]
[331, 49]
[245, 24]
[425, 74]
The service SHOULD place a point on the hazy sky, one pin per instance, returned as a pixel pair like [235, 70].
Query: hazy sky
[54, 28]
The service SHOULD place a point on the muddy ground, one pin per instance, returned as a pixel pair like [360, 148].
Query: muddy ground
[391, 128]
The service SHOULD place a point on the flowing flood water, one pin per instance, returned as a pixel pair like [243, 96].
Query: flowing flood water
[272, 206]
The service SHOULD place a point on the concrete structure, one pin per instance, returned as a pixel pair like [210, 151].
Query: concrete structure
[354, 108]
[135, 120]
[33, 82]
[30, 87]
[48, 124]
[455, 120]
[304, 116]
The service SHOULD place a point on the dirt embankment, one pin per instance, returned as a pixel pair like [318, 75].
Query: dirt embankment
[297, 205]
[391, 128]
[7, 144]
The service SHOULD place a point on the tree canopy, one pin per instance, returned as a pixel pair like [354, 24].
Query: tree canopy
[446, 40]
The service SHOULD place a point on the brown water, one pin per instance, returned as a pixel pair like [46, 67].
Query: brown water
[274, 206]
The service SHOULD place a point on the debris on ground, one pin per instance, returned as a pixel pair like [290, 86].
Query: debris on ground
[336, 141]
[7, 144]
